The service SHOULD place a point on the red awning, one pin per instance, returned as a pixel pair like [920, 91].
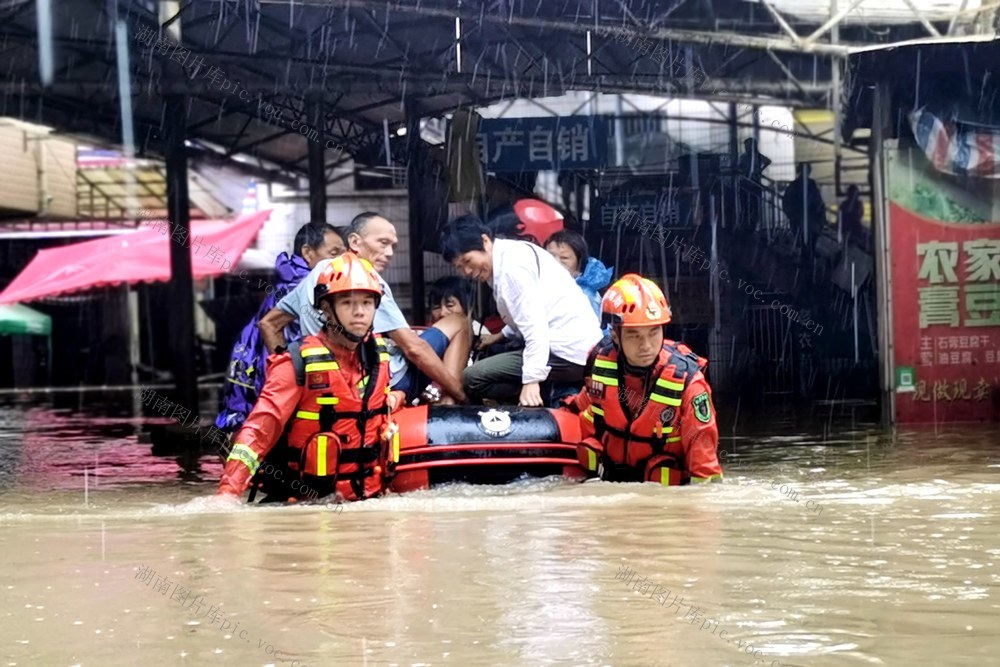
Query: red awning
[142, 256]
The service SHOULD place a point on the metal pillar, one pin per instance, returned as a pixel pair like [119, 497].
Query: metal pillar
[413, 159]
[317, 163]
[838, 114]
[881, 131]
[182, 335]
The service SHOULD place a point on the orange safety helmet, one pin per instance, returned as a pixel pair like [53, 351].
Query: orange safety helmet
[347, 273]
[634, 301]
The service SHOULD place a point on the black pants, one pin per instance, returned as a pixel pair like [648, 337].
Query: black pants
[498, 378]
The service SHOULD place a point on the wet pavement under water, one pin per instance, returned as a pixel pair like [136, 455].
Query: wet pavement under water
[827, 545]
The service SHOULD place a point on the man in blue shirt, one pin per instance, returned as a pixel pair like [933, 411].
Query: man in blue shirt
[437, 355]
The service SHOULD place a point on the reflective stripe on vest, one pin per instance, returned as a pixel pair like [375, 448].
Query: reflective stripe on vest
[605, 380]
[318, 366]
[667, 392]
[670, 477]
[622, 433]
[321, 442]
[354, 424]
[706, 480]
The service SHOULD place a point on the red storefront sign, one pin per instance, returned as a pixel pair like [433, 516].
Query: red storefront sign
[946, 317]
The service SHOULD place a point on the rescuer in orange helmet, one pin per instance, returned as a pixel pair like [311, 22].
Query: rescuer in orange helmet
[646, 408]
[332, 391]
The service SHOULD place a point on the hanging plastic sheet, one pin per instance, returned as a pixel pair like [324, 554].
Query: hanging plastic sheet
[957, 148]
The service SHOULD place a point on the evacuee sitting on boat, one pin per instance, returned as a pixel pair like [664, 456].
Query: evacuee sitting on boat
[646, 409]
[570, 249]
[332, 390]
[436, 355]
[313, 242]
[536, 298]
[452, 295]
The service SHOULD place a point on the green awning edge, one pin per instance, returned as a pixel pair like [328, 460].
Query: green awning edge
[19, 319]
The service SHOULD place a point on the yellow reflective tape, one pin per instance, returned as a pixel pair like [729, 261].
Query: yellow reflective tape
[666, 400]
[586, 415]
[591, 460]
[313, 351]
[305, 414]
[321, 456]
[383, 356]
[395, 447]
[242, 384]
[321, 366]
[604, 363]
[705, 480]
[676, 386]
[606, 381]
[665, 476]
[597, 410]
[676, 438]
[327, 400]
[246, 456]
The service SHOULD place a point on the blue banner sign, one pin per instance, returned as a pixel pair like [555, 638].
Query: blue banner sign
[554, 144]
[674, 209]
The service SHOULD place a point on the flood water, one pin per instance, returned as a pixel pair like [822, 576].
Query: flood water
[853, 548]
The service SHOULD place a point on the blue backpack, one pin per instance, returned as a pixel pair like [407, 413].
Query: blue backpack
[245, 375]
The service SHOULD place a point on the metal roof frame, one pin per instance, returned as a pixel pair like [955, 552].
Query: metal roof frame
[363, 61]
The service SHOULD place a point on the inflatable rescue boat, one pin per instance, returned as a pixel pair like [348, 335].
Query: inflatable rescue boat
[483, 445]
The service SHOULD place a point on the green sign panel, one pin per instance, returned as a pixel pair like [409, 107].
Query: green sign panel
[906, 379]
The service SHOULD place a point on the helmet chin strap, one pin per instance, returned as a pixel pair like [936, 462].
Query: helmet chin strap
[342, 330]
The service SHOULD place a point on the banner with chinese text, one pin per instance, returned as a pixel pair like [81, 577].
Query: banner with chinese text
[946, 317]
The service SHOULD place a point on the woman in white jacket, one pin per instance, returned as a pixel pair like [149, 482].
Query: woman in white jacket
[538, 300]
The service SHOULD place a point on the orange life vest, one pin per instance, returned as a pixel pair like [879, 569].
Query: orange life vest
[647, 446]
[335, 435]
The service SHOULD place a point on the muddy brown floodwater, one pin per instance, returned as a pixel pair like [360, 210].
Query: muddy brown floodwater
[865, 548]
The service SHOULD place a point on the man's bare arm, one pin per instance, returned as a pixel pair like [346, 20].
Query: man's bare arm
[419, 353]
[272, 327]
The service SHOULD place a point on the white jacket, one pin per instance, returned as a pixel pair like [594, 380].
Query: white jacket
[539, 300]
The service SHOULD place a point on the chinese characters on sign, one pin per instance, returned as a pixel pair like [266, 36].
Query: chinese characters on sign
[674, 209]
[941, 301]
[960, 390]
[945, 317]
[525, 144]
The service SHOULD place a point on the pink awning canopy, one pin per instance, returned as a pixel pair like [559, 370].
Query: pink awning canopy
[139, 257]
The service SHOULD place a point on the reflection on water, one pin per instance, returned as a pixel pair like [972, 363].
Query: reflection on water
[858, 548]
